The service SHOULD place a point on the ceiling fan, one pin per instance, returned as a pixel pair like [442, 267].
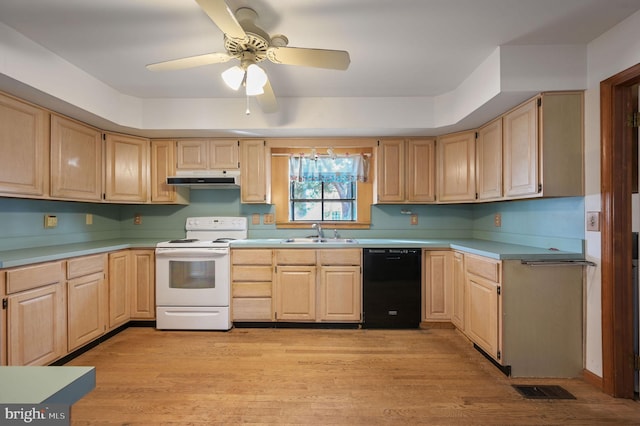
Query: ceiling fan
[245, 41]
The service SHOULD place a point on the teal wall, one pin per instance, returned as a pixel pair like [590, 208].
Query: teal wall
[557, 223]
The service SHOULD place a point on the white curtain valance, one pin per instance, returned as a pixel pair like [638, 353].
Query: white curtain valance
[339, 169]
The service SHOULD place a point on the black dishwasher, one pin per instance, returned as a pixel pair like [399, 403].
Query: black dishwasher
[391, 287]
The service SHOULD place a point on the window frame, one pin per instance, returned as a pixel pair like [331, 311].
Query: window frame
[280, 185]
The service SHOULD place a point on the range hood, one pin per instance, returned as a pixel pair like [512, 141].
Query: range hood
[208, 179]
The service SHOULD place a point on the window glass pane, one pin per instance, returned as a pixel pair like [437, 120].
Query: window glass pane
[335, 190]
[306, 210]
[307, 190]
[336, 210]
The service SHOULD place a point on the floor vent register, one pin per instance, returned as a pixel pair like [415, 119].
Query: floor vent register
[543, 392]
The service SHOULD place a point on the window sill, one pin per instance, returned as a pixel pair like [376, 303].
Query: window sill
[326, 225]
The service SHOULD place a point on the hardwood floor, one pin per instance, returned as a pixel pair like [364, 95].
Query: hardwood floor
[328, 377]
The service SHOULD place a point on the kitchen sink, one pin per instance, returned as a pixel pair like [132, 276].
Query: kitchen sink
[316, 240]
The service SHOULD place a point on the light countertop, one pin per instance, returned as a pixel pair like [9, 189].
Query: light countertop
[491, 249]
[52, 385]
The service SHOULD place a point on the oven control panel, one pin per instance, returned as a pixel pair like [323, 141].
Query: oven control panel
[216, 223]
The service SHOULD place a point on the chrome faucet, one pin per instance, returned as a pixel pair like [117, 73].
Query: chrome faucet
[318, 227]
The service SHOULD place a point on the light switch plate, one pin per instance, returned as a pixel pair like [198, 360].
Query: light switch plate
[255, 219]
[414, 219]
[593, 221]
[268, 219]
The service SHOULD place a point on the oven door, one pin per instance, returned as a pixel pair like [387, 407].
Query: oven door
[192, 277]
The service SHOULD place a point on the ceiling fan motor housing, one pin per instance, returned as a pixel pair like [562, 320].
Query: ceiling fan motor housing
[256, 42]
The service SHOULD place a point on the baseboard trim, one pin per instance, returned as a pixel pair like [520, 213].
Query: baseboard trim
[593, 379]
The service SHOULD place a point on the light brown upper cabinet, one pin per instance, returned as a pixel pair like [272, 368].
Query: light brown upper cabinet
[24, 149]
[406, 171]
[76, 160]
[421, 166]
[543, 147]
[456, 167]
[163, 165]
[127, 168]
[254, 172]
[208, 154]
[489, 161]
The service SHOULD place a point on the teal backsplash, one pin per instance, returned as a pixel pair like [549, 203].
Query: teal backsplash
[557, 222]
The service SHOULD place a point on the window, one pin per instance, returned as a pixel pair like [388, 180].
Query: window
[325, 190]
[323, 201]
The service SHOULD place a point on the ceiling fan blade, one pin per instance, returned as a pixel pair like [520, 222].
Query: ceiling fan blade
[267, 100]
[190, 62]
[223, 17]
[319, 58]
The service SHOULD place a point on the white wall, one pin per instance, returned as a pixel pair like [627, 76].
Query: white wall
[614, 51]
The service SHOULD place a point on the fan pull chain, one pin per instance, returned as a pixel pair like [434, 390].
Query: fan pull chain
[247, 111]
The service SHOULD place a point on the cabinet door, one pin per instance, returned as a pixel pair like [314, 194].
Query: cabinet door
[86, 309]
[143, 287]
[254, 179]
[127, 168]
[521, 150]
[36, 330]
[24, 149]
[421, 173]
[457, 312]
[163, 164]
[390, 178]
[482, 320]
[223, 154]
[296, 293]
[437, 281]
[456, 167]
[76, 160]
[119, 279]
[489, 161]
[340, 295]
[192, 154]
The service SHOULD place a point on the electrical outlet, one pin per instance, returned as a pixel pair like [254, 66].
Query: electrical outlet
[497, 220]
[88, 219]
[137, 219]
[50, 221]
[268, 219]
[414, 219]
[255, 219]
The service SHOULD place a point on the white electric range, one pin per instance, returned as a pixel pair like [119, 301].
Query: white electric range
[193, 279]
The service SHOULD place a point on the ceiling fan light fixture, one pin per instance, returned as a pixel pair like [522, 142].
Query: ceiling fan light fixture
[233, 77]
[256, 79]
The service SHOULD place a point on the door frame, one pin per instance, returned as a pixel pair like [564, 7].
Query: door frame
[616, 187]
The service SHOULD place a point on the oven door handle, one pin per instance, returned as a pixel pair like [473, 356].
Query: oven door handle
[186, 252]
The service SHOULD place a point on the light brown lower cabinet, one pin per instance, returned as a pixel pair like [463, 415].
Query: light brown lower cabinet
[86, 299]
[143, 284]
[119, 284]
[318, 285]
[437, 271]
[36, 314]
[252, 284]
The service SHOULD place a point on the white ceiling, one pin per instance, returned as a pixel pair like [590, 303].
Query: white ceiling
[399, 49]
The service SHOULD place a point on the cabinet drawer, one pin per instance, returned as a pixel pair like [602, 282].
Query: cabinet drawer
[339, 257]
[251, 273]
[295, 257]
[248, 289]
[33, 277]
[252, 309]
[81, 266]
[251, 257]
[486, 268]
